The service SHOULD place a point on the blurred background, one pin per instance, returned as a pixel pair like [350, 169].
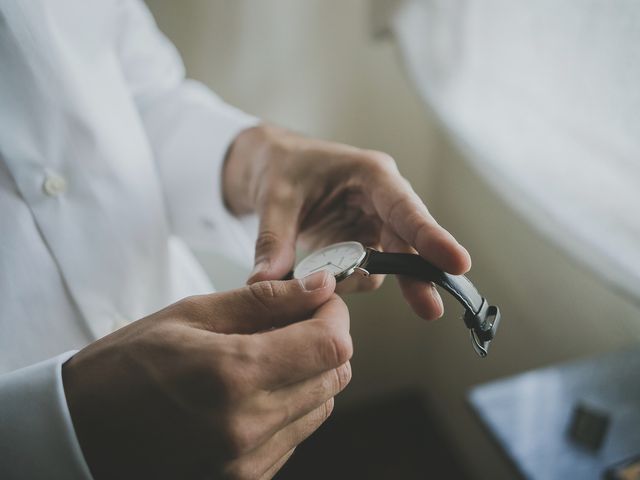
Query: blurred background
[345, 70]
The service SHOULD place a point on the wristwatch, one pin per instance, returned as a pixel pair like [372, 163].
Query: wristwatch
[347, 258]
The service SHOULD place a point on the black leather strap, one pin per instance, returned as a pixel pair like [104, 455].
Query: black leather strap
[415, 266]
[481, 319]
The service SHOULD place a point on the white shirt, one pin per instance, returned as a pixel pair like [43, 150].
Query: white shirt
[109, 166]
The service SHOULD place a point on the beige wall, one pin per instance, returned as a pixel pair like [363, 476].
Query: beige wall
[311, 65]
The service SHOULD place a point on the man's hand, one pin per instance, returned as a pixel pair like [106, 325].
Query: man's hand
[222, 385]
[324, 192]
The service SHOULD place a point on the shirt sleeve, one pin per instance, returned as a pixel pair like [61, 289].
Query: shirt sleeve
[37, 439]
[190, 130]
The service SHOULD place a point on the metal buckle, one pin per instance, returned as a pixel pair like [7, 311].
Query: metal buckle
[482, 326]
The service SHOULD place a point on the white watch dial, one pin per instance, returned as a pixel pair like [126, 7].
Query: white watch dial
[339, 259]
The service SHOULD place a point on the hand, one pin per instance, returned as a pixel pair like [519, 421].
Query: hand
[323, 192]
[222, 385]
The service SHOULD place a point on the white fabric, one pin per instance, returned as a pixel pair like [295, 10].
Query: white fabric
[109, 161]
[544, 97]
[34, 413]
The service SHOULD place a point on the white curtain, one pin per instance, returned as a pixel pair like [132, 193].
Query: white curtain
[544, 98]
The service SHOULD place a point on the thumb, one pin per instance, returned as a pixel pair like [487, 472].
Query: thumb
[276, 243]
[271, 303]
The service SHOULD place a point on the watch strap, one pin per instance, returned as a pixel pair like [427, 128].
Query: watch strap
[481, 319]
[414, 265]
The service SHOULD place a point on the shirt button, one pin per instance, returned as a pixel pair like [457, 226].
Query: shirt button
[54, 185]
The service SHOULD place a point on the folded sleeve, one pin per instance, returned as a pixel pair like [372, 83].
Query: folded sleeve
[190, 130]
[37, 439]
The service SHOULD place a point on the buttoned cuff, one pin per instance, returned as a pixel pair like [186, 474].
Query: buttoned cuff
[37, 439]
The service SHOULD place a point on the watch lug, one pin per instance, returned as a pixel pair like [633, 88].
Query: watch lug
[367, 256]
[361, 271]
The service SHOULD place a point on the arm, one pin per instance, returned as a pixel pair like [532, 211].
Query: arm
[190, 131]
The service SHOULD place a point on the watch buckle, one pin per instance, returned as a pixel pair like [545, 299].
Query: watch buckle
[482, 326]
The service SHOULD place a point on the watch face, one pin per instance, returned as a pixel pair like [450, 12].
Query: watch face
[340, 259]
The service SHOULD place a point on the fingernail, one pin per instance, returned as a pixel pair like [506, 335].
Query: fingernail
[437, 298]
[464, 249]
[315, 281]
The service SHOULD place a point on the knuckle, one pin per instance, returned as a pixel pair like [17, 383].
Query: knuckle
[329, 385]
[264, 292]
[326, 410]
[240, 436]
[267, 240]
[343, 347]
[338, 347]
[260, 294]
[317, 417]
[281, 194]
[343, 376]
[380, 161]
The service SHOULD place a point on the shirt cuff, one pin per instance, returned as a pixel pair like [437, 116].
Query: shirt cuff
[37, 439]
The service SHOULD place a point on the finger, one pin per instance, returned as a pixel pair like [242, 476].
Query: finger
[359, 283]
[305, 349]
[295, 401]
[422, 296]
[277, 466]
[276, 243]
[261, 460]
[401, 208]
[269, 304]
[272, 411]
